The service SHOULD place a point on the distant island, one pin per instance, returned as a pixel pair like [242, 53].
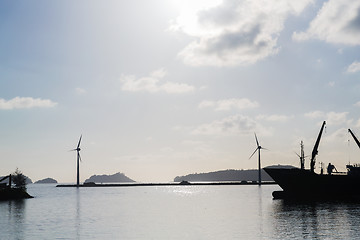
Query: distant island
[225, 175]
[46, 180]
[114, 178]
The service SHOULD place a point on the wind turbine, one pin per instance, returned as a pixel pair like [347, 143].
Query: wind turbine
[259, 163]
[77, 149]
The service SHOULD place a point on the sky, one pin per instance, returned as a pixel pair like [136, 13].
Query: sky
[164, 88]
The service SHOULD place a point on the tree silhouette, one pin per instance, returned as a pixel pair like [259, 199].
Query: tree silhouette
[19, 179]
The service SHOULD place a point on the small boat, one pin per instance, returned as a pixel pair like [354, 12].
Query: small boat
[301, 183]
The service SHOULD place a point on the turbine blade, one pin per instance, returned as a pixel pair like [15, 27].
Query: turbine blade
[79, 141]
[264, 148]
[254, 152]
[297, 154]
[257, 142]
[79, 157]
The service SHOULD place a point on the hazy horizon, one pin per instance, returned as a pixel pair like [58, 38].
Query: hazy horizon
[164, 88]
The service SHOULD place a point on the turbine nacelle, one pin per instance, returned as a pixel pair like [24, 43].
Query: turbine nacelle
[259, 163]
[258, 146]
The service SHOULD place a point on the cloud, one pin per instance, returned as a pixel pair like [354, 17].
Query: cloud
[338, 21]
[233, 125]
[332, 118]
[234, 32]
[25, 102]
[315, 114]
[229, 104]
[153, 84]
[80, 91]
[274, 118]
[354, 67]
[357, 104]
[337, 135]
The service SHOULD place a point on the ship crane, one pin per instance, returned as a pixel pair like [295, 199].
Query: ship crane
[355, 168]
[315, 150]
[355, 138]
[8, 176]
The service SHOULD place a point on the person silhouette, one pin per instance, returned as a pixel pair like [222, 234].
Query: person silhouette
[330, 168]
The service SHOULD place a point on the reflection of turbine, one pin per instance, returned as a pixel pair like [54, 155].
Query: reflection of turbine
[77, 149]
[258, 149]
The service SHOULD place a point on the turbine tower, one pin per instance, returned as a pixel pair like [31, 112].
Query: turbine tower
[77, 149]
[259, 163]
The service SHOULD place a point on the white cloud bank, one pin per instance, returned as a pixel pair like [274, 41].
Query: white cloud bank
[354, 67]
[234, 32]
[153, 84]
[229, 104]
[25, 102]
[338, 21]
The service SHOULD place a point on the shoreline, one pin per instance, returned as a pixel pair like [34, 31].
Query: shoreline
[163, 184]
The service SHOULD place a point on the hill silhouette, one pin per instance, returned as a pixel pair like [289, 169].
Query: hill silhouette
[225, 175]
[114, 178]
[46, 180]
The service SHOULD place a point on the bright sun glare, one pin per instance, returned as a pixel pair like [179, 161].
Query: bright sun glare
[187, 20]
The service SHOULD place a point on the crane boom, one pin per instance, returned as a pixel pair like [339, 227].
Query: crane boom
[355, 138]
[4, 178]
[315, 150]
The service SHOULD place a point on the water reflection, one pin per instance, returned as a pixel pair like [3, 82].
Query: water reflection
[13, 217]
[260, 209]
[78, 215]
[316, 220]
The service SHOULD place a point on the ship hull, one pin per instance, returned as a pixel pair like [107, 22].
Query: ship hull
[304, 184]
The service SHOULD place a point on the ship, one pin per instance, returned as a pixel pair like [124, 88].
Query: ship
[306, 184]
[7, 192]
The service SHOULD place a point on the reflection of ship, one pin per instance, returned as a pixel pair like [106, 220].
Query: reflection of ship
[305, 183]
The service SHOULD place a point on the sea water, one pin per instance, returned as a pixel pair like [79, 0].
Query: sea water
[173, 212]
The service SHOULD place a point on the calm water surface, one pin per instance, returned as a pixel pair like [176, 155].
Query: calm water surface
[173, 212]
